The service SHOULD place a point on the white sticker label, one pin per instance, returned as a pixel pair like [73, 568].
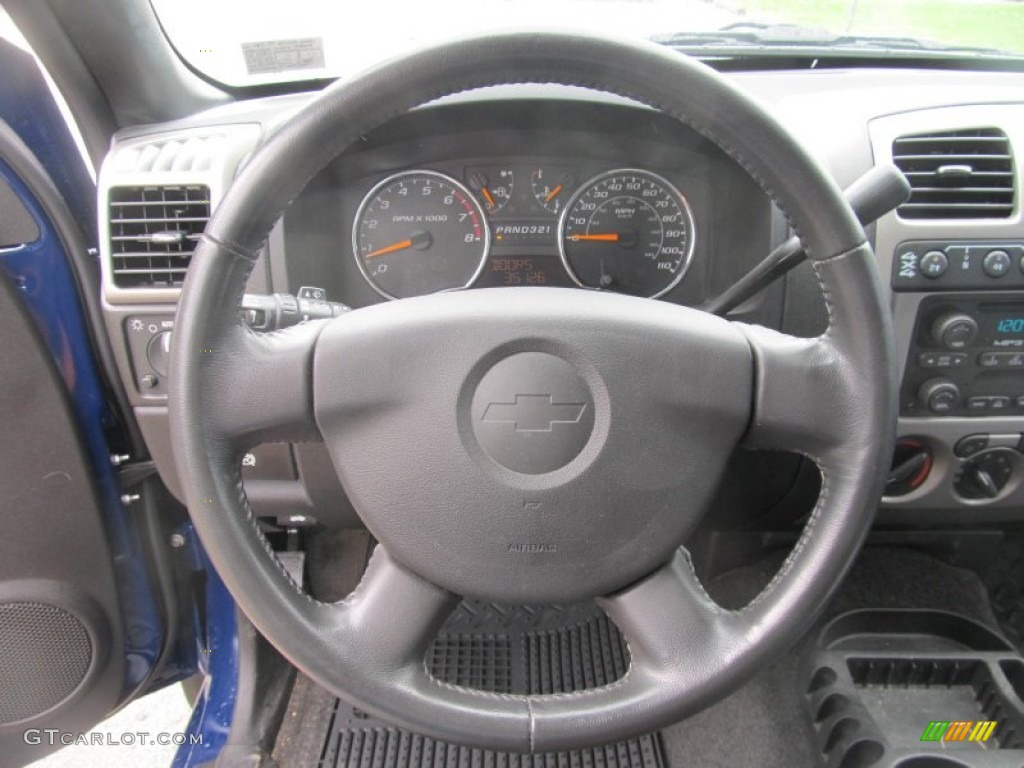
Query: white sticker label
[283, 55]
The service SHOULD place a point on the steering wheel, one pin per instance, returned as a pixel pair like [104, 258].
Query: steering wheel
[651, 399]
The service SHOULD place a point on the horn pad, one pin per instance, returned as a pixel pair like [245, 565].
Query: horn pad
[560, 448]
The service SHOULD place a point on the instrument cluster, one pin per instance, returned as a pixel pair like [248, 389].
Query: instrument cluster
[421, 231]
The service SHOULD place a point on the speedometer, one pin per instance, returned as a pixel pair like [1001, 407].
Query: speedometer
[419, 232]
[628, 231]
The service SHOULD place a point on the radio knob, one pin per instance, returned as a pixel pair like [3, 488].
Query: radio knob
[940, 395]
[955, 330]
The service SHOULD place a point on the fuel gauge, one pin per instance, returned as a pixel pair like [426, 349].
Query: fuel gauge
[493, 186]
[551, 188]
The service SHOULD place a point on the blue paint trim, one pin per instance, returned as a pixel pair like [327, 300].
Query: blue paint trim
[27, 105]
[44, 280]
[218, 662]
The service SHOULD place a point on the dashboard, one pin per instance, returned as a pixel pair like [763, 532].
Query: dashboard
[542, 185]
[629, 205]
[420, 231]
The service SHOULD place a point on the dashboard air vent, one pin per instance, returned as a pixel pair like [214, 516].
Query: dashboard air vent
[964, 174]
[153, 232]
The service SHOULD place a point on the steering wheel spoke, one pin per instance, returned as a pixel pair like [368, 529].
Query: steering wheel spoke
[260, 384]
[671, 624]
[802, 399]
[395, 614]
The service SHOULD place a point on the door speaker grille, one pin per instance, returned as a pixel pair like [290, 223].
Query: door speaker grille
[45, 653]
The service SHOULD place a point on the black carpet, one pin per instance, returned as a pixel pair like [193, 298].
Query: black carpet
[764, 724]
[1005, 582]
[519, 650]
[553, 649]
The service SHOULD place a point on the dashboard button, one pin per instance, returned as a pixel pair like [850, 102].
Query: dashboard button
[1004, 441]
[978, 403]
[270, 461]
[956, 360]
[970, 445]
[312, 292]
[941, 360]
[996, 263]
[998, 403]
[934, 264]
[1001, 360]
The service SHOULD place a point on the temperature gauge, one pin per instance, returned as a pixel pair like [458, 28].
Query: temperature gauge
[551, 188]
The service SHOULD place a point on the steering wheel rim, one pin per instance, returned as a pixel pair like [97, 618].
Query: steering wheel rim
[831, 398]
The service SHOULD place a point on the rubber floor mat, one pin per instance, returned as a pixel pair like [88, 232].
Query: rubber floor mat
[518, 650]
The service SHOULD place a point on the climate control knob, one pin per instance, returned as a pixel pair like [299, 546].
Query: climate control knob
[955, 330]
[986, 475]
[940, 395]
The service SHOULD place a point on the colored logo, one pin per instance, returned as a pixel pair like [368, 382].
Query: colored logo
[958, 730]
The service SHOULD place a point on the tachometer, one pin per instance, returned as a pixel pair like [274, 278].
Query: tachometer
[419, 232]
[628, 231]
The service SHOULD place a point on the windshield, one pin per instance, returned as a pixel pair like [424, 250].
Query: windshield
[250, 42]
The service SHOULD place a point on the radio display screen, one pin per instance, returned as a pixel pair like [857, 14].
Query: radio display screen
[1002, 327]
[1010, 326]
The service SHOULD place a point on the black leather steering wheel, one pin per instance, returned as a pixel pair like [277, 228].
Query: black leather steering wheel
[461, 505]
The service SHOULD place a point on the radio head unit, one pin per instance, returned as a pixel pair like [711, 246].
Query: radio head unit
[966, 358]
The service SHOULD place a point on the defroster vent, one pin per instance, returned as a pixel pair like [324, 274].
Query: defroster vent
[153, 232]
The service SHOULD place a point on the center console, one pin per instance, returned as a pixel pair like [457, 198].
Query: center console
[953, 259]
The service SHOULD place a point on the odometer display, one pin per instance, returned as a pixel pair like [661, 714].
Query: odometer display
[627, 231]
[419, 232]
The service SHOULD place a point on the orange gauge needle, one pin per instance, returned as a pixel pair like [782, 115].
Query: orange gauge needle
[553, 194]
[611, 237]
[389, 249]
[488, 196]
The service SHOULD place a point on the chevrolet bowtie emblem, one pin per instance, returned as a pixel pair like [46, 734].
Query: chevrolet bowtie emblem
[534, 413]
